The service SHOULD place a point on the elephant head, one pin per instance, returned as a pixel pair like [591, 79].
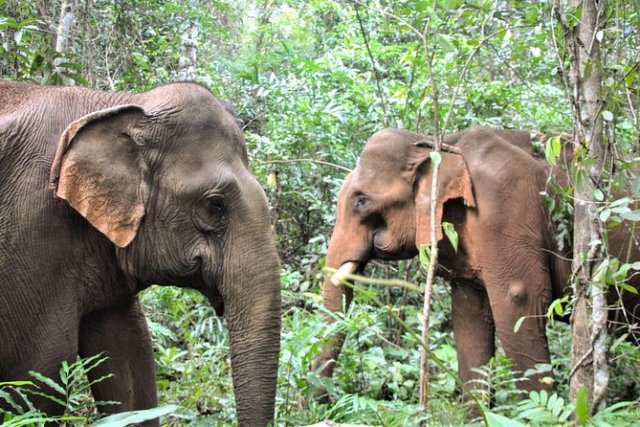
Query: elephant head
[383, 212]
[164, 176]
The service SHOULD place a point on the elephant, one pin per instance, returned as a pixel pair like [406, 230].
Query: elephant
[508, 264]
[103, 194]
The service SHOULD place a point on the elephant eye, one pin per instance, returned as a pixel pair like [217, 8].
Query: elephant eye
[212, 214]
[360, 201]
[216, 207]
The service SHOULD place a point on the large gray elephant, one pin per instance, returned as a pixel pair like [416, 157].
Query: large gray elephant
[507, 265]
[104, 194]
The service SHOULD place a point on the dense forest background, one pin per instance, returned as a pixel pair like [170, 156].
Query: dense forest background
[310, 81]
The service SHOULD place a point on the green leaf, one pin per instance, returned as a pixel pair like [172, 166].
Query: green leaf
[496, 420]
[607, 116]
[134, 417]
[425, 255]
[631, 216]
[532, 15]
[451, 234]
[436, 158]
[600, 35]
[628, 288]
[582, 405]
[556, 306]
[598, 195]
[16, 383]
[452, 4]
[48, 381]
[552, 149]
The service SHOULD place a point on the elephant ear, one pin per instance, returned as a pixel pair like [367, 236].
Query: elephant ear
[454, 182]
[98, 170]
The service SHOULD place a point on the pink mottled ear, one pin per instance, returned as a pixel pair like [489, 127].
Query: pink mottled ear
[453, 182]
[98, 170]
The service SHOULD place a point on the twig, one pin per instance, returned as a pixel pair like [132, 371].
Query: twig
[443, 147]
[376, 73]
[383, 282]
[433, 259]
[319, 162]
[579, 363]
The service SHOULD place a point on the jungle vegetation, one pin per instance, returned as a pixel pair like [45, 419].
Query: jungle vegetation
[310, 81]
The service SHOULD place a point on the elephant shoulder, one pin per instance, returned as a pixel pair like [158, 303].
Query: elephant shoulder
[488, 145]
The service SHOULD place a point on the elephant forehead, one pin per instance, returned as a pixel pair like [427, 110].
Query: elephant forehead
[389, 154]
[380, 181]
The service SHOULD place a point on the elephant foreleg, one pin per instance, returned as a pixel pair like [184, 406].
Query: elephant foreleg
[121, 333]
[512, 300]
[473, 328]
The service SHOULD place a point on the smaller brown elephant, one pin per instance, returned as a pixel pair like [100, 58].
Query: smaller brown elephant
[507, 265]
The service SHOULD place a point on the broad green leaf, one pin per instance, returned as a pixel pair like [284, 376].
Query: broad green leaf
[582, 405]
[552, 149]
[598, 195]
[628, 288]
[451, 233]
[607, 115]
[451, 4]
[497, 420]
[425, 255]
[532, 15]
[631, 216]
[621, 201]
[556, 306]
[272, 180]
[134, 417]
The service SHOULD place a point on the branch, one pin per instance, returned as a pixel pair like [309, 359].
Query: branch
[373, 64]
[433, 259]
[379, 282]
[443, 147]
[319, 162]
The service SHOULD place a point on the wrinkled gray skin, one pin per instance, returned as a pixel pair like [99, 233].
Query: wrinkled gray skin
[507, 265]
[102, 195]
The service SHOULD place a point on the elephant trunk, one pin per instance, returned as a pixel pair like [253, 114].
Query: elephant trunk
[333, 290]
[252, 312]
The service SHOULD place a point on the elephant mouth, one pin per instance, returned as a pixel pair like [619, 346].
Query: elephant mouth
[394, 255]
[342, 273]
[208, 286]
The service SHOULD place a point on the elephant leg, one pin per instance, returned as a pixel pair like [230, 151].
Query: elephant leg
[473, 328]
[121, 333]
[522, 295]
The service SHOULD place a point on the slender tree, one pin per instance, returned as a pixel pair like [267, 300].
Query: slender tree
[64, 29]
[589, 317]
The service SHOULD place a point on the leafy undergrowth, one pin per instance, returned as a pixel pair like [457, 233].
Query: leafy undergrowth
[376, 381]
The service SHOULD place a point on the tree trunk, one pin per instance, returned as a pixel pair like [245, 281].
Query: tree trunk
[188, 56]
[64, 28]
[589, 315]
